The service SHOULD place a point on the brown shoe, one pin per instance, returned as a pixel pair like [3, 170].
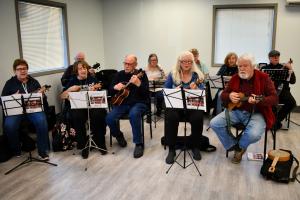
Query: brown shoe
[238, 155]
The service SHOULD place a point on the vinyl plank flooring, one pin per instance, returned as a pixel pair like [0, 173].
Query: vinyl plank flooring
[120, 176]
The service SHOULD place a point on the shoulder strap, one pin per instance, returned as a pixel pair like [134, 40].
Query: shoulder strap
[227, 116]
[295, 174]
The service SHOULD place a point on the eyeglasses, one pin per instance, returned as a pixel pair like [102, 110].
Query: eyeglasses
[22, 69]
[186, 61]
[153, 60]
[129, 64]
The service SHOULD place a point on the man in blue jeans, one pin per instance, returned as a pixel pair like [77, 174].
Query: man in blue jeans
[135, 104]
[19, 84]
[254, 111]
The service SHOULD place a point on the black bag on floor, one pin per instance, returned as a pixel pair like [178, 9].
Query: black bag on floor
[282, 169]
[203, 146]
[5, 153]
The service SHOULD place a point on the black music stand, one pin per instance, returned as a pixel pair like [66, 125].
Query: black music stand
[17, 102]
[87, 105]
[183, 99]
[154, 85]
[277, 75]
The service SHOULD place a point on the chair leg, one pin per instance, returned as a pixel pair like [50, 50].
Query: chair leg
[110, 140]
[265, 144]
[151, 128]
[288, 120]
[143, 135]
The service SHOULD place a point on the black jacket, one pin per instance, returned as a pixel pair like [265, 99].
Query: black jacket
[137, 94]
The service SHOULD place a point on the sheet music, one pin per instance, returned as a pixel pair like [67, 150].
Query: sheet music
[97, 99]
[12, 104]
[156, 85]
[277, 74]
[34, 102]
[195, 99]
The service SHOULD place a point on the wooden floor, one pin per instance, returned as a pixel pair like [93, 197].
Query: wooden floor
[120, 176]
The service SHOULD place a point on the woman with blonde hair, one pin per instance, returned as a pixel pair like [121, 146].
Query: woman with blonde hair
[184, 74]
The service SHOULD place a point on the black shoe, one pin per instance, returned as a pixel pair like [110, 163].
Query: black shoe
[158, 113]
[44, 157]
[121, 140]
[171, 156]
[103, 149]
[278, 125]
[85, 153]
[138, 151]
[148, 120]
[196, 154]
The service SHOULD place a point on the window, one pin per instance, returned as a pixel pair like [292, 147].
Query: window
[42, 35]
[243, 29]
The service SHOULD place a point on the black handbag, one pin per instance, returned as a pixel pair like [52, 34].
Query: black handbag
[282, 169]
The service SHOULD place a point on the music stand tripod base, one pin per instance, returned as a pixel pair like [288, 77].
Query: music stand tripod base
[184, 149]
[28, 160]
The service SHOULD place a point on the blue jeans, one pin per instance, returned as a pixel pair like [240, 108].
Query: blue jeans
[252, 133]
[135, 114]
[11, 129]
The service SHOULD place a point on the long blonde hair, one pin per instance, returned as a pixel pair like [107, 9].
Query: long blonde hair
[176, 71]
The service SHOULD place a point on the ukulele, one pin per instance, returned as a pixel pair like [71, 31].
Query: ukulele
[44, 88]
[124, 93]
[277, 155]
[243, 98]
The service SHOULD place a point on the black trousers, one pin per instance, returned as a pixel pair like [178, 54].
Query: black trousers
[289, 102]
[98, 125]
[172, 119]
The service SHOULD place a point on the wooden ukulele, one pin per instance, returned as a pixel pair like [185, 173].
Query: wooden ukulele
[243, 98]
[124, 93]
[277, 155]
[44, 88]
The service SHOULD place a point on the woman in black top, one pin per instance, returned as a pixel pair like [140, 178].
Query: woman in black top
[82, 81]
[229, 68]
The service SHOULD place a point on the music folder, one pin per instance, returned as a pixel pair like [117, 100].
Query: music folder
[195, 99]
[88, 99]
[18, 104]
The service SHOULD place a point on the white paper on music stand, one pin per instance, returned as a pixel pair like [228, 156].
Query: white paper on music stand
[215, 81]
[12, 105]
[98, 99]
[78, 100]
[34, 102]
[195, 99]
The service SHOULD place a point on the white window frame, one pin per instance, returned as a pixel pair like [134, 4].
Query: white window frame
[242, 43]
[44, 70]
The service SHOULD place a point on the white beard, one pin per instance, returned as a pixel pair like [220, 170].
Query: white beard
[244, 75]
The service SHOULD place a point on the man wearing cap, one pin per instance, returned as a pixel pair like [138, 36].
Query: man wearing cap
[283, 89]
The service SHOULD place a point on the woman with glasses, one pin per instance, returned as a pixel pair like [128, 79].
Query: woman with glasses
[85, 82]
[156, 77]
[23, 83]
[185, 74]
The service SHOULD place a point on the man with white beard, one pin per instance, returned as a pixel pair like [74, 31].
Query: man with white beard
[248, 98]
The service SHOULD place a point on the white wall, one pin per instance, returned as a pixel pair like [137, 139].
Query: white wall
[168, 27]
[110, 29]
[85, 34]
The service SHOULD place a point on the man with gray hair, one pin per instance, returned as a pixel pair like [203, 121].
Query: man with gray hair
[248, 98]
[69, 73]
